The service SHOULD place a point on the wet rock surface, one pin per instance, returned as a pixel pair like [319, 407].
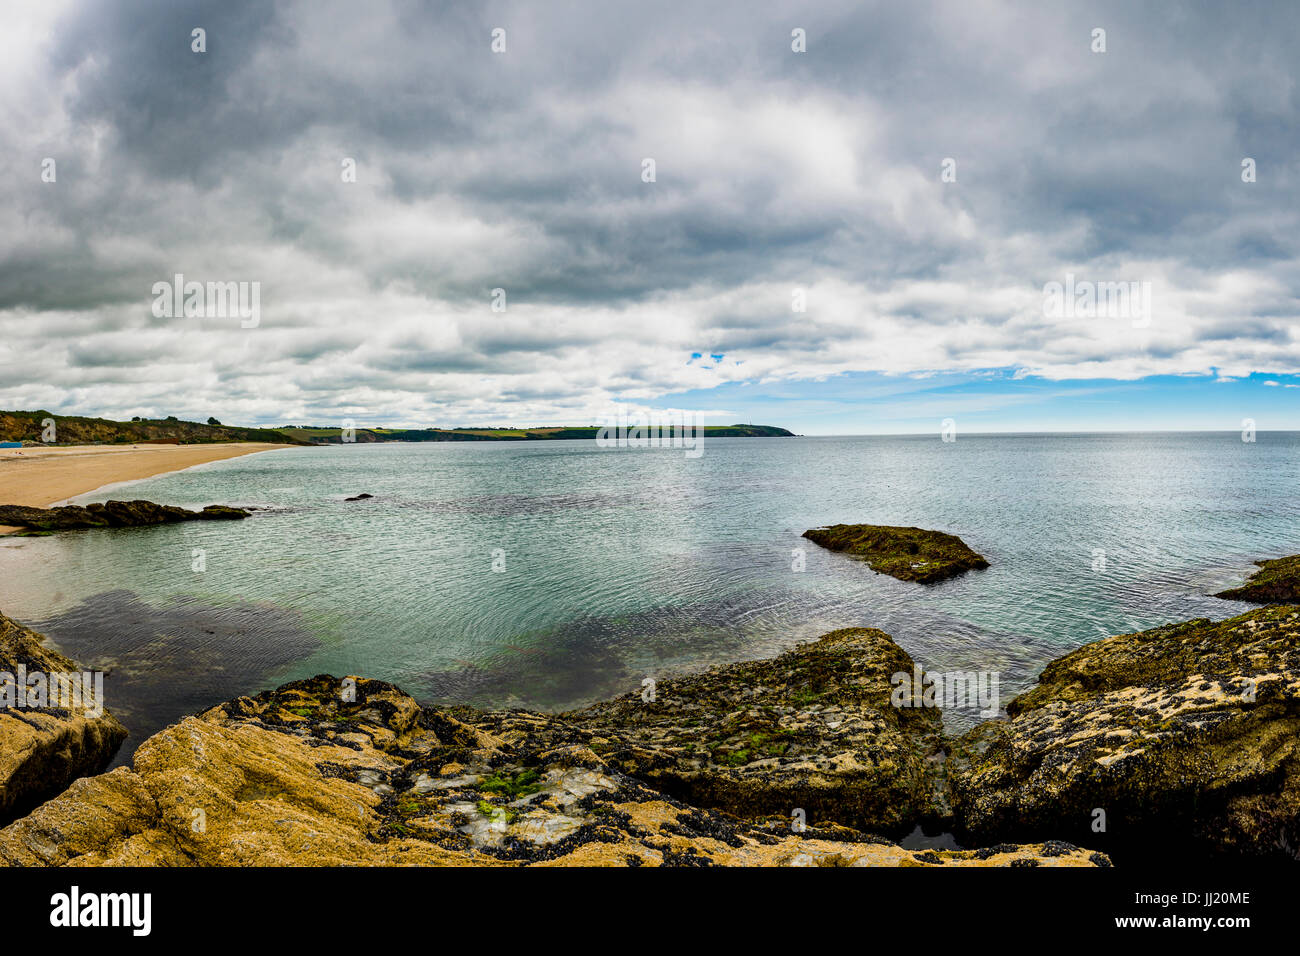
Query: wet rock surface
[909, 554]
[813, 730]
[330, 772]
[1185, 737]
[109, 514]
[45, 748]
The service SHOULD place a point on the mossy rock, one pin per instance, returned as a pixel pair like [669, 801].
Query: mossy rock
[813, 729]
[1276, 582]
[909, 554]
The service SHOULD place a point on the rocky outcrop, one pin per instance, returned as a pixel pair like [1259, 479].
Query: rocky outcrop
[811, 730]
[1180, 740]
[43, 748]
[354, 772]
[1276, 582]
[110, 514]
[909, 554]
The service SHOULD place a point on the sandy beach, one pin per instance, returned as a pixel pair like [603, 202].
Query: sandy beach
[39, 477]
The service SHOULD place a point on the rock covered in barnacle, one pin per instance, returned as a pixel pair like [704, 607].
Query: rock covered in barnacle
[1181, 739]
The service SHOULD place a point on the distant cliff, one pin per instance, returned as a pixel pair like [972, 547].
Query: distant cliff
[76, 430]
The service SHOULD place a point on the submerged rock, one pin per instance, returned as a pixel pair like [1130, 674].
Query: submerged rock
[355, 772]
[1276, 582]
[909, 554]
[361, 497]
[811, 730]
[1180, 740]
[110, 514]
[44, 748]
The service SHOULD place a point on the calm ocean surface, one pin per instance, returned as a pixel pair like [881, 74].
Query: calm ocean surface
[624, 563]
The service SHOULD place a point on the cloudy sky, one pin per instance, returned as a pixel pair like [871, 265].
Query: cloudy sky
[825, 171]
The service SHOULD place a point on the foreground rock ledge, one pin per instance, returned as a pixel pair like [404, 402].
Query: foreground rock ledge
[42, 750]
[909, 554]
[110, 514]
[325, 772]
[1186, 736]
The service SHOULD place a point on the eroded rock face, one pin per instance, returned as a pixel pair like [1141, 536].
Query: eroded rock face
[909, 554]
[110, 514]
[43, 749]
[315, 773]
[1186, 736]
[813, 729]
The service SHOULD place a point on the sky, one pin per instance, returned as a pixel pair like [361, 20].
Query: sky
[862, 218]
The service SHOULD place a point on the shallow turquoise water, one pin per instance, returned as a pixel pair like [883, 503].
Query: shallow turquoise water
[623, 563]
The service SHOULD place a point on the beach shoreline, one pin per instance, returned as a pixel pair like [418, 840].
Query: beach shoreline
[38, 476]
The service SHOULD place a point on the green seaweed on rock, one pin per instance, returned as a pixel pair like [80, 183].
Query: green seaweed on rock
[909, 554]
[1276, 582]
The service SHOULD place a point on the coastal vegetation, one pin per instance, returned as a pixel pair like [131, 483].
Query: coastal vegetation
[77, 430]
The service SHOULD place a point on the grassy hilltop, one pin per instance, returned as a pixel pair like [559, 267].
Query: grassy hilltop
[77, 430]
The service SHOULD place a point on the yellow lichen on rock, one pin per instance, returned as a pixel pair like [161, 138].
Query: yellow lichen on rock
[356, 773]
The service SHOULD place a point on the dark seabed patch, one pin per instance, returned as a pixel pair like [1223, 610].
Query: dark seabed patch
[511, 505]
[163, 663]
[587, 660]
[597, 658]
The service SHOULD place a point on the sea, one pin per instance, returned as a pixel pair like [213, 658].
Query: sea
[550, 574]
